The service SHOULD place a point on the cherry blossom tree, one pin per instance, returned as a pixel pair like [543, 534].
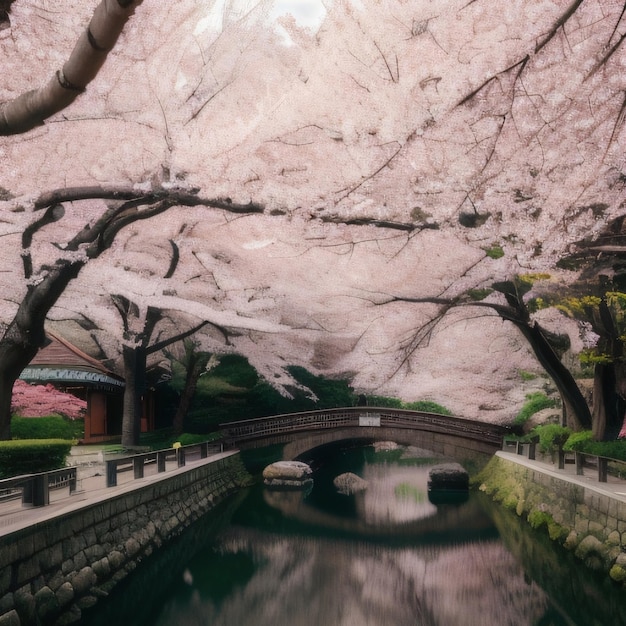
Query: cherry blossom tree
[46, 279]
[459, 125]
[43, 400]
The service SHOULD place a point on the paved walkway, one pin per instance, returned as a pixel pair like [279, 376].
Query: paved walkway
[90, 488]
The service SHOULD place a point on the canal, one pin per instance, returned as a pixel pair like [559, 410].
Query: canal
[384, 556]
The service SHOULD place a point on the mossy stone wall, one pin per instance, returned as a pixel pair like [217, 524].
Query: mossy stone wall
[583, 518]
[52, 571]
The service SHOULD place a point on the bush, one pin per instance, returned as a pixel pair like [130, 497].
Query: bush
[583, 442]
[51, 427]
[30, 456]
[427, 406]
[550, 435]
[579, 441]
[535, 402]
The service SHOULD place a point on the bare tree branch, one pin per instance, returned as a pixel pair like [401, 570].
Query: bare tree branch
[559, 24]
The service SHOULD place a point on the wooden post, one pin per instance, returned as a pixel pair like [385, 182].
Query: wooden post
[580, 463]
[111, 473]
[138, 467]
[603, 466]
[161, 458]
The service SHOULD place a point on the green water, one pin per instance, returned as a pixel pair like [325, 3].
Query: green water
[384, 557]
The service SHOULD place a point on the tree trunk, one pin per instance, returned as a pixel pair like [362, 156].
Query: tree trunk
[195, 367]
[576, 412]
[30, 109]
[608, 406]
[25, 335]
[135, 377]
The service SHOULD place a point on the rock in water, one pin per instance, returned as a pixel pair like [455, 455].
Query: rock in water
[448, 476]
[288, 475]
[349, 483]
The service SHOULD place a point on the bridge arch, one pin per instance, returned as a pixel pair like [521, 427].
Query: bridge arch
[453, 437]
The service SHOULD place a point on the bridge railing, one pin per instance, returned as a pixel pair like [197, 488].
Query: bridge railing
[362, 416]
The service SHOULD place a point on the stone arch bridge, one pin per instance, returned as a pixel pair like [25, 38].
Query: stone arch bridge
[453, 437]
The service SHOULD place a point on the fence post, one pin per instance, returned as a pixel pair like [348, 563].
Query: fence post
[72, 480]
[111, 473]
[161, 457]
[180, 457]
[580, 463]
[138, 467]
[204, 450]
[602, 469]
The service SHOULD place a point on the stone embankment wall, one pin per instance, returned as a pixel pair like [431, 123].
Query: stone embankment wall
[51, 571]
[582, 518]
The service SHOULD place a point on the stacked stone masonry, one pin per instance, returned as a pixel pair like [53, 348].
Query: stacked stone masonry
[52, 571]
[590, 523]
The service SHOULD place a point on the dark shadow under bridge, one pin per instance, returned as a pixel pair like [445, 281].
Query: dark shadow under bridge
[453, 437]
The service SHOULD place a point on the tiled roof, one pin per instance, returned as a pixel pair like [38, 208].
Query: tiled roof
[61, 354]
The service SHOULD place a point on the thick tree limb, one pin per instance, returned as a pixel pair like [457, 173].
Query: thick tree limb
[32, 108]
[576, 408]
[181, 197]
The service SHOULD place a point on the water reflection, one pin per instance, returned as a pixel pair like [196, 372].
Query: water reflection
[385, 556]
[311, 559]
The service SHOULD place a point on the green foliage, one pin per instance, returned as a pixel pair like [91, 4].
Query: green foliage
[385, 402]
[591, 357]
[495, 252]
[524, 375]
[583, 442]
[538, 519]
[51, 427]
[478, 294]
[535, 402]
[406, 491]
[550, 435]
[233, 391]
[531, 279]
[420, 405]
[29, 456]
[427, 406]
[579, 440]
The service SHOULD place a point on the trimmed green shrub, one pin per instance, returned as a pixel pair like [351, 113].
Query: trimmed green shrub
[30, 456]
[535, 402]
[51, 427]
[550, 435]
[583, 442]
[579, 441]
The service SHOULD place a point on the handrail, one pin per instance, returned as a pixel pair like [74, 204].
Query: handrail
[137, 462]
[36, 487]
[564, 456]
[362, 416]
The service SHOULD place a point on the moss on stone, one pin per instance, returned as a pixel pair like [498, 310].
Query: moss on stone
[618, 573]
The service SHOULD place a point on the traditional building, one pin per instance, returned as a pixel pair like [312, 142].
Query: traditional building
[67, 368]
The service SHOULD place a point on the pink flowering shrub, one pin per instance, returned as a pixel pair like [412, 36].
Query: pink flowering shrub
[42, 400]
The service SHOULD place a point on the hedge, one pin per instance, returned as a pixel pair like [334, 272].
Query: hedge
[30, 456]
[50, 427]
